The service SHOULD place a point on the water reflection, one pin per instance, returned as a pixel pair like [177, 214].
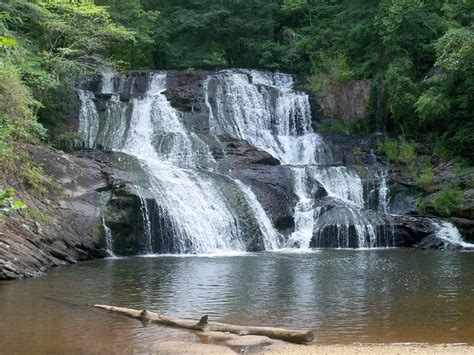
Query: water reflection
[346, 296]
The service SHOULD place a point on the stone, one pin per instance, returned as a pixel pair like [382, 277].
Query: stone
[348, 102]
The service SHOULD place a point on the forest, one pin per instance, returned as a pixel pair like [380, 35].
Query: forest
[420, 52]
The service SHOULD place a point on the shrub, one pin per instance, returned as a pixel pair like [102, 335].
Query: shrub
[426, 180]
[17, 119]
[390, 149]
[400, 151]
[8, 203]
[448, 201]
[407, 153]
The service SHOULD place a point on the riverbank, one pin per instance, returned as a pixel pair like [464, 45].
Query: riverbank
[381, 349]
[280, 348]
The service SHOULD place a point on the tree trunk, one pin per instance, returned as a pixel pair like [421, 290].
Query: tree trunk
[292, 336]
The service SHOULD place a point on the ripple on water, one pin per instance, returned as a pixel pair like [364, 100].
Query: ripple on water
[345, 295]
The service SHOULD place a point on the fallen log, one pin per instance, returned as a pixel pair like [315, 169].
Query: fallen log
[292, 336]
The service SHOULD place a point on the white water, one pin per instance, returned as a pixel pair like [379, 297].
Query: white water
[196, 208]
[198, 216]
[341, 183]
[383, 193]
[449, 233]
[88, 118]
[108, 240]
[146, 226]
[304, 211]
[263, 109]
[107, 82]
[271, 235]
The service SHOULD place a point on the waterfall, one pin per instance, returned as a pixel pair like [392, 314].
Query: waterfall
[341, 183]
[270, 234]
[145, 216]
[304, 211]
[108, 240]
[383, 201]
[263, 109]
[449, 233]
[88, 118]
[194, 210]
[189, 205]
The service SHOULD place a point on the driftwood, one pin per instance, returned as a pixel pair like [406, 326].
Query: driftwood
[293, 336]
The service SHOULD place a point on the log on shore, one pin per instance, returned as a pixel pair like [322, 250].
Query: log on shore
[292, 336]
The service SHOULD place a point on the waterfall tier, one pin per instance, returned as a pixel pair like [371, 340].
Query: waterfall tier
[229, 161]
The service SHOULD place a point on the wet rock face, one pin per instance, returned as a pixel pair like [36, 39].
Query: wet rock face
[123, 219]
[348, 102]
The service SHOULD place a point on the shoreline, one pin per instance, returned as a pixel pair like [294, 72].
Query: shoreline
[383, 349]
[224, 343]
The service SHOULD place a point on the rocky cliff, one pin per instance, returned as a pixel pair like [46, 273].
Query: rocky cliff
[348, 101]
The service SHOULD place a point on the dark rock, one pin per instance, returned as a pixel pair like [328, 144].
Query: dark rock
[465, 227]
[431, 242]
[60, 229]
[123, 218]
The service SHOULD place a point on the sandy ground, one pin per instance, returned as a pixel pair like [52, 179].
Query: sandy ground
[221, 344]
[382, 349]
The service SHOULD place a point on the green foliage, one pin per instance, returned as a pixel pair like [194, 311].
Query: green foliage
[337, 126]
[17, 106]
[398, 151]
[50, 44]
[7, 202]
[32, 176]
[448, 201]
[390, 149]
[427, 180]
[67, 141]
[407, 152]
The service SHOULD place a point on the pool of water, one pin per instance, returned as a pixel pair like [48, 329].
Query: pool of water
[345, 296]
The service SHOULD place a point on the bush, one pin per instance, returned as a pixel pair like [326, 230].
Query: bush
[17, 119]
[400, 151]
[390, 149]
[448, 201]
[426, 180]
[407, 153]
[7, 203]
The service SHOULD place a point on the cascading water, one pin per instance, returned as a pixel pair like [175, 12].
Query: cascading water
[265, 110]
[449, 233]
[108, 240]
[271, 235]
[192, 206]
[304, 211]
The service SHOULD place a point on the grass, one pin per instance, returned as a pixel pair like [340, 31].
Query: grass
[448, 201]
[427, 180]
[399, 151]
